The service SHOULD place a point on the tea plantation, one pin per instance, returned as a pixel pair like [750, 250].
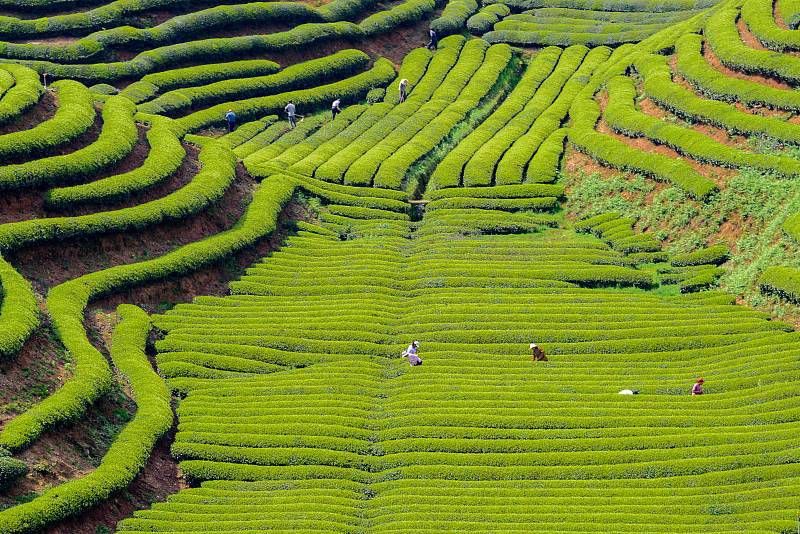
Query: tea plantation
[202, 329]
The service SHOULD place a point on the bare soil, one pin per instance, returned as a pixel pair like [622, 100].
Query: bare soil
[718, 175]
[33, 374]
[576, 162]
[747, 37]
[44, 110]
[765, 80]
[210, 280]
[46, 265]
[70, 451]
[160, 478]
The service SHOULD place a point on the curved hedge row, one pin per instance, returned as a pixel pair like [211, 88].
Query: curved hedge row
[262, 139]
[404, 13]
[10, 468]
[394, 168]
[758, 16]
[722, 35]
[512, 168]
[109, 14]
[659, 86]
[789, 10]
[645, 17]
[22, 95]
[19, 311]
[781, 281]
[622, 116]
[547, 35]
[615, 153]
[544, 165]
[380, 145]
[481, 168]
[454, 17]
[500, 191]
[618, 232]
[208, 186]
[291, 138]
[448, 172]
[74, 115]
[695, 69]
[128, 453]
[152, 84]
[414, 66]
[483, 21]
[289, 153]
[350, 89]
[116, 140]
[324, 69]
[165, 157]
[218, 49]
[207, 49]
[648, 6]
[169, 32]
[714, 255]
[367, 135]
[67, 302]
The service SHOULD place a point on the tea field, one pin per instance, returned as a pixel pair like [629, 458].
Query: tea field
[203, 305]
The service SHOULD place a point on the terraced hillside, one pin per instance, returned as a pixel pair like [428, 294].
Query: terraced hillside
[201, 330]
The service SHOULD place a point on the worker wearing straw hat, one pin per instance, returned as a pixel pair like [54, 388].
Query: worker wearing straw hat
[537, 354]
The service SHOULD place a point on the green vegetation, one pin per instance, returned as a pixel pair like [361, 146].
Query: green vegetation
[621, 191]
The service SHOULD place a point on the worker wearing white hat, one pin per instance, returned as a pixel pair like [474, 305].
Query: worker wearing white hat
[411, 354]
[537, 354]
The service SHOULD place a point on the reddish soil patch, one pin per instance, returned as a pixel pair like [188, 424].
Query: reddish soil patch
[33, 374]
[59, 42]
[159, 478]
[71, 451]
[21, 205]
[730, 231]
[718, 175]
[764, 80]
[747, 37]
[210, 280]
[777, 16]
[47, 265]
[646, 105]
[576, 162]
[44, 110]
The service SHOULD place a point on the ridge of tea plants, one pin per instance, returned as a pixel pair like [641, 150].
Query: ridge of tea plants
[201, 327]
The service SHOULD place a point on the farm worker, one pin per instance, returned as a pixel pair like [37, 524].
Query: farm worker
[629, 392]
[403, 88]
[697, 388]
[230, 118]
[411, 354]
[335, 109]
[537, 354]
[290, 109]
[434, 42]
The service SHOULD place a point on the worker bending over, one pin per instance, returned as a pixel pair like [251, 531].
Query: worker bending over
[537, 354]
[411, 354]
